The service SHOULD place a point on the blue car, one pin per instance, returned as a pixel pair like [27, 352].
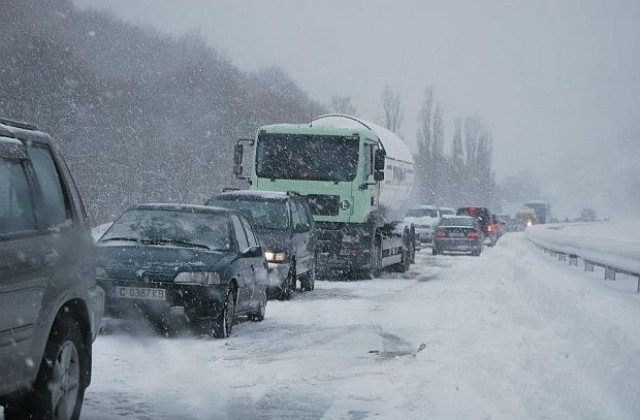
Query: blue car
[175, 264]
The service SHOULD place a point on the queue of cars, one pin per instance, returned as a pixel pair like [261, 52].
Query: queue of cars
[175, 265]
[447, 229]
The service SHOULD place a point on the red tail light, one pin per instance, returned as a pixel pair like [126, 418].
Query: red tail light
[440, 234]
[489, 228]
[473, 234]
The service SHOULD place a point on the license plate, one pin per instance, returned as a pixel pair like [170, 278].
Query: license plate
[456, 235]
[139, 293]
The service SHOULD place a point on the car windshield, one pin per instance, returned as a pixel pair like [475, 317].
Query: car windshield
[307, 157]
[178, 228]
[422, 213]
[457, 221]
[265, 214]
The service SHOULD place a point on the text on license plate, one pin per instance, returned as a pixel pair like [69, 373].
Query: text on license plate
[139, 293]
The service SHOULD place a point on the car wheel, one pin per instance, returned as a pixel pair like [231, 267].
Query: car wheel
[60, 385]
[286, 291]
[259, 314]
[308, 282]
[224, 322]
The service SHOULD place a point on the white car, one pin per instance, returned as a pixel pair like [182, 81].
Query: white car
[424, 218]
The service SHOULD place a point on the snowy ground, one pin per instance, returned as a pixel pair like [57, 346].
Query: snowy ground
[513, 334]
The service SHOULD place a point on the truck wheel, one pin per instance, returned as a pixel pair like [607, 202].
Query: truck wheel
[59, 388]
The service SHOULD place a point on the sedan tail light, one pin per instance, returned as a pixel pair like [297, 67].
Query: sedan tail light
[473, 234]
[440, 233]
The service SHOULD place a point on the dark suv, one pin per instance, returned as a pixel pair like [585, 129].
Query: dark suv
[484, 218]
[50, 306]
[285, 229]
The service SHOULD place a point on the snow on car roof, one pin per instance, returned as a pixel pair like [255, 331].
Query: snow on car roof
[253, 194]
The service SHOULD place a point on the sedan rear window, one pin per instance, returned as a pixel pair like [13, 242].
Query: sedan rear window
[457, 221]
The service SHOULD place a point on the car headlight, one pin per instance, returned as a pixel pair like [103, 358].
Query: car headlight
[101, 273]
[204, 278]
[273, 256]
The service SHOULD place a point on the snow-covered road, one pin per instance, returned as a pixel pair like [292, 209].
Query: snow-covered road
[513, 334]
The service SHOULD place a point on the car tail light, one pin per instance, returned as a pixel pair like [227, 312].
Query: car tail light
[489, 228]
[440, 234]
[473, 234]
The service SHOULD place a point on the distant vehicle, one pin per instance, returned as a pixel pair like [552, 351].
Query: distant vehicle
[484, 219]
[174, 264]
[357, 178]
[424, 219]
[542, 209]
[50, 306]
[285, 229]
[458, 234]
[588, 215]
[526, 218]
[506, 222]
[447, 210]
[498, 227]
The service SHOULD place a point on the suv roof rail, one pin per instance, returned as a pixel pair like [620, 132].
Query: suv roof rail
[18, 124]
[296, 193]
[227, 189]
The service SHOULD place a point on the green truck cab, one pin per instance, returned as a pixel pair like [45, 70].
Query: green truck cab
[355, 182]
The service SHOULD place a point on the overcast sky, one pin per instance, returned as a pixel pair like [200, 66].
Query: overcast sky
[556, 81]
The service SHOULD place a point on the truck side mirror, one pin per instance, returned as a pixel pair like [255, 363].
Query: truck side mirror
[379, 160]
[237, 155]
[378, 175]
[237, 170]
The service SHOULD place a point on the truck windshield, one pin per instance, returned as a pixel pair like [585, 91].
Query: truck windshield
[308, 157]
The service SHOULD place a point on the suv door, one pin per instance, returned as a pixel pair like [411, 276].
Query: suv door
[23, 273]
[244, 266]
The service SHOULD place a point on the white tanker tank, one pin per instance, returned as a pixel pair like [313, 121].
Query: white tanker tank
[397, 186]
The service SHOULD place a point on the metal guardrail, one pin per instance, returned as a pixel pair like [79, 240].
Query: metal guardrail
[589, 264]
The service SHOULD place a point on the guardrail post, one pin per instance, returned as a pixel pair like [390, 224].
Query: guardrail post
[588, 265]
[573, 260]
[562, 257]
[609, 273]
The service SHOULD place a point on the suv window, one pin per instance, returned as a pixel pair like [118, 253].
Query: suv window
[56, 205]
[250, 235]
[303, 212]
[295, 215]
[241, 236]
[16, 205]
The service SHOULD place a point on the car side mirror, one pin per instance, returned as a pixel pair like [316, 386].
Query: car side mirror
[253, 252]
[380, 156]
[238, 151]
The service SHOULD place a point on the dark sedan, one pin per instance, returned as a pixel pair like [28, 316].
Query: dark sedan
[173, 264]
[458, 234]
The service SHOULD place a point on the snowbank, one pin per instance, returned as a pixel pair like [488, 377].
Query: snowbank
[611, 243]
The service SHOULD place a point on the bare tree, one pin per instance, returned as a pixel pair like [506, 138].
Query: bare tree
[392, 110]
[343, 105]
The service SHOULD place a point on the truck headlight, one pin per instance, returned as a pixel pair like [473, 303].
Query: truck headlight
[273, 256]
[204, 278]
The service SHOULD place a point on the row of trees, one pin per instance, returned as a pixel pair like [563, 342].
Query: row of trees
[462, 176]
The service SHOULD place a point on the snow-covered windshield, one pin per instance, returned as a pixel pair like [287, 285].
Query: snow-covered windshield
[310, 157]
[159, 227]
[262, 214]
